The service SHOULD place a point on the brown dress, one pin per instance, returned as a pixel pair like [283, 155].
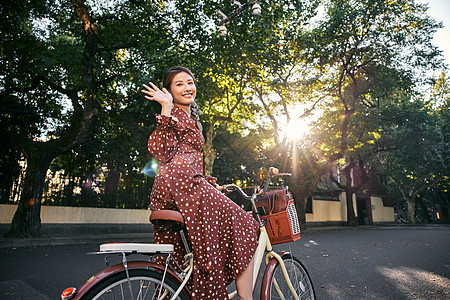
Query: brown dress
[223, 236]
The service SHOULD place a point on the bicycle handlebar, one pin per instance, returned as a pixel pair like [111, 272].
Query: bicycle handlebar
[272, 172]
[226, 189]
[259, 192]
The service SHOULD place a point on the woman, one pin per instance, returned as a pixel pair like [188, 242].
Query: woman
[223, 236]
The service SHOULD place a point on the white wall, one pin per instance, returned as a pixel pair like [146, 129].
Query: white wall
[325, 211]
[336, 211]
[381, 213]
[81, 215]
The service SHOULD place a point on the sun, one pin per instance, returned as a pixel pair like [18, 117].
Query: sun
[296, 129]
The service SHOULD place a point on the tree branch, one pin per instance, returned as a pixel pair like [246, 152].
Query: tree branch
[269, 114]
[334, 179]
[34, 84]
[118, 47]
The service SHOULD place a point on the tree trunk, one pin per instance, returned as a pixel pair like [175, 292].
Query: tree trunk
[351, 218]
[411, 209]
[300, 205]
[299, 200]
[349, 190]
[301, 191]
[27, 219]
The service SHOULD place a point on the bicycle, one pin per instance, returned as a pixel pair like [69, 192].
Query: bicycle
[285, 277]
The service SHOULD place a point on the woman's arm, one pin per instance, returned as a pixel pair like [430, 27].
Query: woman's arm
[162, 143]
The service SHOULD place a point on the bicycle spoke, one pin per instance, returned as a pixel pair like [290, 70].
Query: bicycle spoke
[298, 277]
[145, 284]
[121, 292]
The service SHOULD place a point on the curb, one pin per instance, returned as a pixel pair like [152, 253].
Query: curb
[76, 240]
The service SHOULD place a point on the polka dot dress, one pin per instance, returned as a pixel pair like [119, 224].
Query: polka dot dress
[223, 236]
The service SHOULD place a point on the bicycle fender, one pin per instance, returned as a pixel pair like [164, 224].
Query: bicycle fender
[91, 282]
[268, 273]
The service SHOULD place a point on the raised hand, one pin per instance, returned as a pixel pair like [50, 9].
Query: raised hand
[163, 97]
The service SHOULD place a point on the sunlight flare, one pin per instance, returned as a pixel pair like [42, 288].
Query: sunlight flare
[296, 129]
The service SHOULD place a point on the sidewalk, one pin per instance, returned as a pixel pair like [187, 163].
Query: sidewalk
[58, 240]
[80, 239]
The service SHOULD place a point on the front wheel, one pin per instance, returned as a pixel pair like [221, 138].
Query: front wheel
[300, 280]
[144, 285]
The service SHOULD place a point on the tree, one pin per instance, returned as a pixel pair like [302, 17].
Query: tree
[411, 151]
[414, 148]
[65, 62]
[440, 101]
[366, 51]
[235, 63]
[76, 71]
[239, 158]
[275, 80]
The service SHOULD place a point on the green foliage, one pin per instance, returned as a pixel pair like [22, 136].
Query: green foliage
[238, 158]
[359, 65]
[412, 127]
[367, 51]
[413, 151]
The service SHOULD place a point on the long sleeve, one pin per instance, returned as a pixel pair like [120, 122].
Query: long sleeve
[163, 142]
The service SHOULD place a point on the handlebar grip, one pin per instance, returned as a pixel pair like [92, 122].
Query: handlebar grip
[273, 171]
[284, 174]
[225, 189]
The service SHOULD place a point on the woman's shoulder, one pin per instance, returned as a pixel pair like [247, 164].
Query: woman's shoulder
[178, 113]
[182, 116]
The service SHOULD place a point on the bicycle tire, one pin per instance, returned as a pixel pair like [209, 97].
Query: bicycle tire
[145, 285]
[300, 280]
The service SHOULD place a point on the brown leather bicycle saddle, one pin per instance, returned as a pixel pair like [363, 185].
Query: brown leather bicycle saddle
[166, 215]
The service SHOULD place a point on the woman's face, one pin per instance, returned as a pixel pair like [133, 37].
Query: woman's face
[183, 89]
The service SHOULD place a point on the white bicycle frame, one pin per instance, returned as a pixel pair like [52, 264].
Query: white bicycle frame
[264, 245]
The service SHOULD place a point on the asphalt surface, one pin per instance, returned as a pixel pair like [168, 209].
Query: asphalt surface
[82, 239]
[393, 262]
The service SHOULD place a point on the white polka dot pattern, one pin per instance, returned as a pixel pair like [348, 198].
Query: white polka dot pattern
[223, 236]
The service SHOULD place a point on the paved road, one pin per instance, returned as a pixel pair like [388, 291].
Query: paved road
[379, 263]
[364, 263]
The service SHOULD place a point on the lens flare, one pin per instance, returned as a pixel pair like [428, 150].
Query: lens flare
[296, 130]
[151, 168]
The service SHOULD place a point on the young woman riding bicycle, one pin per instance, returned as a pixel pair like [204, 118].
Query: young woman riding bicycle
[223, 236]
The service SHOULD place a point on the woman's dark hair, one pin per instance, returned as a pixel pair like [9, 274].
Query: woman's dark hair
[167, 78]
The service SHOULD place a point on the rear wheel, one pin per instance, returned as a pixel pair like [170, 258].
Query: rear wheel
[145, 284]
[300, 280]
